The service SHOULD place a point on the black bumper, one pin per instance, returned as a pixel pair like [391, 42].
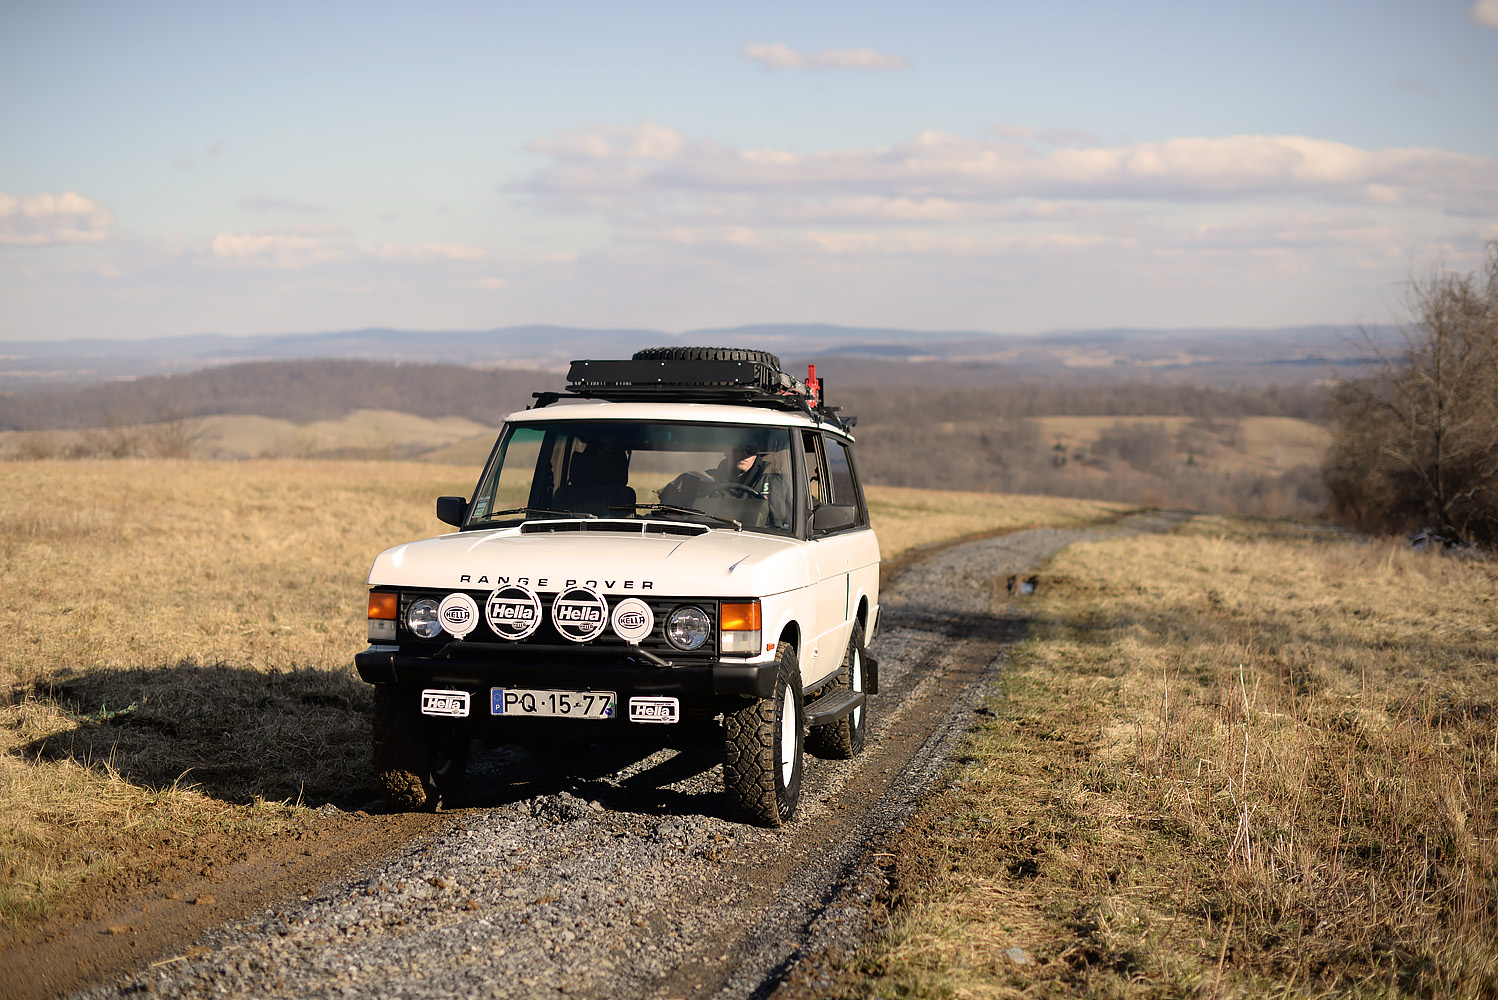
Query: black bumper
[580, 669]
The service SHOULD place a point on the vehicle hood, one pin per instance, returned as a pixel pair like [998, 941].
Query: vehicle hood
[720, 562]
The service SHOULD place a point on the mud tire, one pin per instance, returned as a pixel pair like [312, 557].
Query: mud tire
[706, 354]
[418, 763]
[761, 773]
[845, 738]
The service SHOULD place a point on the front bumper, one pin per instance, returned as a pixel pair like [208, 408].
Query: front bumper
[581, 668]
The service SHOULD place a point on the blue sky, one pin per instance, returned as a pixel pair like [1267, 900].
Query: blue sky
[185, 168]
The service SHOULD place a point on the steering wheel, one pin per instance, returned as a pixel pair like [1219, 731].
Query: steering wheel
[723, 490]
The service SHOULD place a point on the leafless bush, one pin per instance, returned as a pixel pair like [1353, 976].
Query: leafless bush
[1416, 442]
[36, 446]
[174, 437]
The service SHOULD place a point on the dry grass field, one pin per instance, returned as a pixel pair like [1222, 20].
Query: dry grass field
[175, 650]
[176, 643]
[908, 519]
[377, 434]
[1257, 443]
[1243, 760]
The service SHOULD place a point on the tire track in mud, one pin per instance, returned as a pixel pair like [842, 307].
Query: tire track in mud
[612, 873]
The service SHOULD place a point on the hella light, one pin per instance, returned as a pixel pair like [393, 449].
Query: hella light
[422, 620]
[383, 610]
[688, 628]
[740, 627]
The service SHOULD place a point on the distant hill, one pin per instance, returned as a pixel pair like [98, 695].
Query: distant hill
[301, 392]
[295, 391]
[951, 425]
[1217, 356]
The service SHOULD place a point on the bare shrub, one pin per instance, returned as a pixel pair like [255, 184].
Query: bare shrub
[1146, 447]
[175, 436]
[36, 446]
[1416, 442]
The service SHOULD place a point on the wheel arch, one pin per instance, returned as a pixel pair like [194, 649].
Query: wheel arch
[790, 632]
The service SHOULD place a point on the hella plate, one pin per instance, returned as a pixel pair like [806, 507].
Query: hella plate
[654, 710]
[452, 704]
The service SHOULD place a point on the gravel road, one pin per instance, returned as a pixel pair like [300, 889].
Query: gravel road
[611, 872]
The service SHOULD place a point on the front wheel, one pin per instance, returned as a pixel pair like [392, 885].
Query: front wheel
[763, 749]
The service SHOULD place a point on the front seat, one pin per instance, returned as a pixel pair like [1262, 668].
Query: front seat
[598, 480]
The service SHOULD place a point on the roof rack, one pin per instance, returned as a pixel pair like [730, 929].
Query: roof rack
[744, 383]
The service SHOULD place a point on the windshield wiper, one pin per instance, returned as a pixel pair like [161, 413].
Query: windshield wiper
[672, 508]
[540, 510]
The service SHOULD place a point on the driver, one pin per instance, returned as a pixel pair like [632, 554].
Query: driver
[744, 465]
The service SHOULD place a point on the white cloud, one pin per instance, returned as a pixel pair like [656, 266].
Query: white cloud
[1485, 13]
[778, 55]
[45, 219]
[312, 246]
[645, 141]
[283, 249]
[606, 165]
[429, 251]
[272, 203]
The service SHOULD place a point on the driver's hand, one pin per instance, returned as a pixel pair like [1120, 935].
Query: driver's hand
[682, 490]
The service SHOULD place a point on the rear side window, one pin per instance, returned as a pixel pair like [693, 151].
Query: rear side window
[843, 481]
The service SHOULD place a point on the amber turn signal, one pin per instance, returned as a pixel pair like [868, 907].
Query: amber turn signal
[740, 617]
[384, 605]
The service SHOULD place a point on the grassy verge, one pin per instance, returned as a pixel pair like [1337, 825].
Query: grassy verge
[176, 644]
[1243, 760]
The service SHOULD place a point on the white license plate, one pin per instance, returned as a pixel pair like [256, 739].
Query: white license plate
[552, 704]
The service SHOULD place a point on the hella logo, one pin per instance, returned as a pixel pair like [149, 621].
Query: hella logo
[580, 614]
[459, 614]
[633, 620]
[451, 704]
[514, 612]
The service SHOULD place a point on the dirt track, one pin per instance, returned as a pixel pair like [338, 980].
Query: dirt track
[605, 873]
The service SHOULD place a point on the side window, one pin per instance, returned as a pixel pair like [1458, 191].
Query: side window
[844, 484]
[817, 488]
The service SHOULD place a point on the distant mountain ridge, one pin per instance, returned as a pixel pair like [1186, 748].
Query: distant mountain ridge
[1212, 355]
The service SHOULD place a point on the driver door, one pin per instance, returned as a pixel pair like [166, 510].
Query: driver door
[827, 565]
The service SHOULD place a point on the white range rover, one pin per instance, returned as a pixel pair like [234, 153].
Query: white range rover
[675, 549]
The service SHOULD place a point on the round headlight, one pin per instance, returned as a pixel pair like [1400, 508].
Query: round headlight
[421, 619]
[688, 628]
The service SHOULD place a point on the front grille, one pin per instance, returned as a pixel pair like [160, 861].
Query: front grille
[547, 634]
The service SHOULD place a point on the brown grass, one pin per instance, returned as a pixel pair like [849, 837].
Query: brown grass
[907, 519]
[377, 434]
[1244, 760]
[177, 647]
[178, 638]
[1264, 443]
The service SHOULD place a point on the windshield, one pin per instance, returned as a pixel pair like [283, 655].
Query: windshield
[711, 473]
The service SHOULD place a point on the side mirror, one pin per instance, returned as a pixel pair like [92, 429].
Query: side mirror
[450, 510]
[833, 516]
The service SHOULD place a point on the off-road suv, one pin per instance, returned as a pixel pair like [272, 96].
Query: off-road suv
[675, 548]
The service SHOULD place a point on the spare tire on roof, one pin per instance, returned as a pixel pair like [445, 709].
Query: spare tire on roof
[706, 354]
